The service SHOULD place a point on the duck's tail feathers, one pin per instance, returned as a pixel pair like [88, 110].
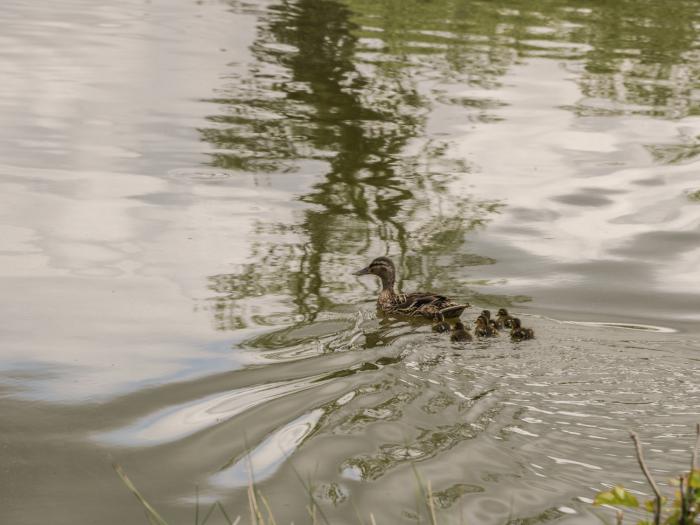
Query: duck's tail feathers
[454, 310]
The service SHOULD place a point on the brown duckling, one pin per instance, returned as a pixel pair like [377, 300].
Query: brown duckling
[518, 333]
[417, 304]
[482, 327]
[460, 333]
[505, 320]
[492, 323]
[441, 326]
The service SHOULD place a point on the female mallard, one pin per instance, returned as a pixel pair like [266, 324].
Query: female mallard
[417, 304]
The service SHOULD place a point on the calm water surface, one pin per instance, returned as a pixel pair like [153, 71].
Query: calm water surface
[188, 186]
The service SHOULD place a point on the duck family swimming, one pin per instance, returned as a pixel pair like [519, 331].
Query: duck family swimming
[438, 308]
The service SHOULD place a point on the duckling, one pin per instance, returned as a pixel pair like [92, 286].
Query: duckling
[518, 333]
[441, 326]
[504, 318]
[482, 328]
[460, 333]
[490, 322]
[418, 304]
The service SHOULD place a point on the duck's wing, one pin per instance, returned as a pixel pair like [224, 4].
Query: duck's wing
[418, 299]
[428, 304]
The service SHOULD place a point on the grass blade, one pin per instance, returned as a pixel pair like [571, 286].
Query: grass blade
[208, 514]
[357, 513]
[270, 516]
[196, 505]
[431, 504]
[151, 513]
[422, 496]
[223, 511]
[310, 493]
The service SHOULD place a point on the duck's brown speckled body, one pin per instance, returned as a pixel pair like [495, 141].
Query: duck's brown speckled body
[418, 304]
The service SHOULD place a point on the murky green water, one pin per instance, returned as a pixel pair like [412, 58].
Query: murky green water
[188, 186]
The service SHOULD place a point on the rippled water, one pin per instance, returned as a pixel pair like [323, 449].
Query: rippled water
[187, 188]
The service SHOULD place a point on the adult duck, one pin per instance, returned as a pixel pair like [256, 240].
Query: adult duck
[418, 304]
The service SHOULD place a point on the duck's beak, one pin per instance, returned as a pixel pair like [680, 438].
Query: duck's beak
[364, 271]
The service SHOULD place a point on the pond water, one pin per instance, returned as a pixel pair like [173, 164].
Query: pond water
[188, 186]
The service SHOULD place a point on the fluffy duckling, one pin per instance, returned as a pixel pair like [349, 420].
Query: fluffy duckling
[482, 328]
[505, 320]
[490, 322]
[441, 326]
[460, 333]
[518, 333]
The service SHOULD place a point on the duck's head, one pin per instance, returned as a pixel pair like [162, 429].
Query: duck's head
[502, 312]
[515, 323]
[382, 267]
[459, 326]
[486, 314]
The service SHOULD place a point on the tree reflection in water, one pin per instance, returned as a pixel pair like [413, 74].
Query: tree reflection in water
[309, 99]
[350, 85]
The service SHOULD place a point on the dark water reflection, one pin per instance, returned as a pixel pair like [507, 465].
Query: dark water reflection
[203, 178]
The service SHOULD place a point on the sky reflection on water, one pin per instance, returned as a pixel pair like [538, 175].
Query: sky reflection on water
[188, 187]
